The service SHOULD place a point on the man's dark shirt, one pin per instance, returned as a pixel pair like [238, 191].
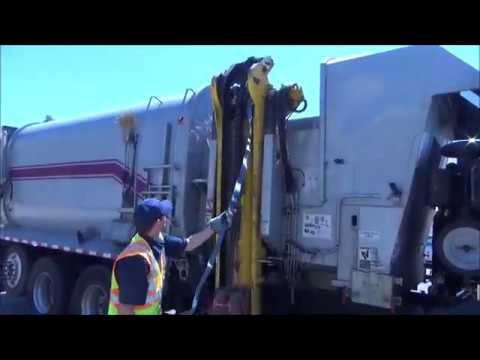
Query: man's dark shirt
[131, 272]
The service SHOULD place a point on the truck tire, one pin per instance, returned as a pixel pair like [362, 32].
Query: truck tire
[458, 247]
[48, 286]
[16, 268]
[92, 291]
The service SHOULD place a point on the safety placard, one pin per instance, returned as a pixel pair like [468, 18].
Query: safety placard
[317, 226]
[368, 254]
[367, 257]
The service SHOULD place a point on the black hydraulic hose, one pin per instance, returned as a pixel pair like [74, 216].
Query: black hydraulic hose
[234, 140]
[231, 86]
[232, 210]
[282, 110]
[133, 176]
[305, 104]
[129, 195]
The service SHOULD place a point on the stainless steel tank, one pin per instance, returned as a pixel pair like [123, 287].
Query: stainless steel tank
[71, 175]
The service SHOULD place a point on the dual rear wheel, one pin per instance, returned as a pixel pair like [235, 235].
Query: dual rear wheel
[48, 283]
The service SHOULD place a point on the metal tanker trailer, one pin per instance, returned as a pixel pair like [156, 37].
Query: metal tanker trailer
[71, 186]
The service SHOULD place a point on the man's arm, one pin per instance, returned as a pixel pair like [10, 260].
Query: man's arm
[195, 240]
[217, 225]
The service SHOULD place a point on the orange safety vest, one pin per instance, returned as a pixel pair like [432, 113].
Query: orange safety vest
[152, 306]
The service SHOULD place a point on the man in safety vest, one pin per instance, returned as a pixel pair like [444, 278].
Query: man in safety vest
[139, 270]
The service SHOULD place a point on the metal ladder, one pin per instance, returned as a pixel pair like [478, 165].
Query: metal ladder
[165, 191]
[152, 190]
[161, 192]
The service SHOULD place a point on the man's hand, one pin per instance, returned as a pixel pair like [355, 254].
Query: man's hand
[216, 225]
[222, 222]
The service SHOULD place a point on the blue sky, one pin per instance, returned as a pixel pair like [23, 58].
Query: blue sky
[72, 81]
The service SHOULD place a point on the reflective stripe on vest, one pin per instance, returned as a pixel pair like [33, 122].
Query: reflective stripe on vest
[152, 306]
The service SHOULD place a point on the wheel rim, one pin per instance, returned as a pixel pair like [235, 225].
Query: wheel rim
[94, 300]
[43, 293]
[461, 247]
[13, 270]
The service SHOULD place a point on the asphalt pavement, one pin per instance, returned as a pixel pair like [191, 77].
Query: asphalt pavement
[22, 306]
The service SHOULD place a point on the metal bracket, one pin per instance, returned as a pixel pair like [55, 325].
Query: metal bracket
[183, 268]
[186, 93]
[200, 184]
[150, 101]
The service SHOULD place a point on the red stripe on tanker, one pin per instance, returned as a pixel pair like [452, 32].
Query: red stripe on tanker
[76, 170]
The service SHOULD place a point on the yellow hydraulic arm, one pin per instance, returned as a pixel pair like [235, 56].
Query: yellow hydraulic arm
[249, 249]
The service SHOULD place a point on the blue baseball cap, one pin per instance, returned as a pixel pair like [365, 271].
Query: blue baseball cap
[149, 211]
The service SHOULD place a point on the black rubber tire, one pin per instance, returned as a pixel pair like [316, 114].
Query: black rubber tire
[26, 264]
[438, 247]
[60, 283]
[99, 275]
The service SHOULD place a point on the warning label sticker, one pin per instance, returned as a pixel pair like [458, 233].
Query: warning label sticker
[368, 236]
[367, 258]
[317, 226]
[368, 254]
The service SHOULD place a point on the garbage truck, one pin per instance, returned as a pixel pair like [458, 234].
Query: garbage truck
[337, 205]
